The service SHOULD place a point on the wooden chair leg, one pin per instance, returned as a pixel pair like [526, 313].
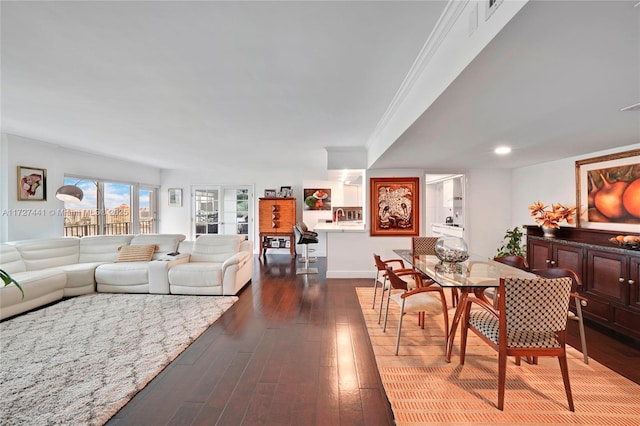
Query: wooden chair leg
[383, 289]
[445, 313]
[502, 378]
[562, 359]
[386, 312]
[375, 288]
[463, 340]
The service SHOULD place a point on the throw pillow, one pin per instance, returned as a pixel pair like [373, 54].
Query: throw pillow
[139, 253]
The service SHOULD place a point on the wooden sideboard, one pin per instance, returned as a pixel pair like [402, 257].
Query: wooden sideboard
[277, 217]
[610, 274]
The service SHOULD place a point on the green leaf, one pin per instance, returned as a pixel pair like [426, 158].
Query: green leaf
[8, 280]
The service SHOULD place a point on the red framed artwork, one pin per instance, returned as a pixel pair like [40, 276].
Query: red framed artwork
[395, 206]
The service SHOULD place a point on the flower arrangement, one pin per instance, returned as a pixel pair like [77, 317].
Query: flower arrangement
[551, 218]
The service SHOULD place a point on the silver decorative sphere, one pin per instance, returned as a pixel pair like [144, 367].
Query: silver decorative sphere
[451, 250]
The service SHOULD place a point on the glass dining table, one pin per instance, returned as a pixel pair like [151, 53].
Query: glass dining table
[471, 276]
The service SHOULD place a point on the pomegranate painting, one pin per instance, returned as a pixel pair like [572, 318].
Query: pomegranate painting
[614, 194]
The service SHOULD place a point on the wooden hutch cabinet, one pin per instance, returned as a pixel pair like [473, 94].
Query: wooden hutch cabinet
[277, 217]
[546, 253]
[610, 274]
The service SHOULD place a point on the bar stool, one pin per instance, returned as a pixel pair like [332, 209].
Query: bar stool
[305, 238]
[312, 234]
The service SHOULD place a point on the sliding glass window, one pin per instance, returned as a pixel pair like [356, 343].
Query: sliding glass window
[110, 208]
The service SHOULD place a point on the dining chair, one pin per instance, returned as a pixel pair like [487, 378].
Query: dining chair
[419, 299]
[511, 260]
[531, 321]
[383, 279]
[580, 300]
[426, 246]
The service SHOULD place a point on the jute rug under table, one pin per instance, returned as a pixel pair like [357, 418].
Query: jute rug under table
[424, 389]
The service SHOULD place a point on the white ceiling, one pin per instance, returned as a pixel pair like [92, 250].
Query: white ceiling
[550, 85]
[193, 84]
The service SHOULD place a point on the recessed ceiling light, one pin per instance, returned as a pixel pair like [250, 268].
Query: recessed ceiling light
[502, 150]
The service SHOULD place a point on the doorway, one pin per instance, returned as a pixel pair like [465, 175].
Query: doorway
[222, 209]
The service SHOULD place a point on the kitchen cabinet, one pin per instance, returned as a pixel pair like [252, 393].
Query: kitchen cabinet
[277, 216]
[610, 274]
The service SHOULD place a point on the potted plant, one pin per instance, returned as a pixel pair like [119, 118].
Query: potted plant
[8, 279]
[549, 219]
[512, 243]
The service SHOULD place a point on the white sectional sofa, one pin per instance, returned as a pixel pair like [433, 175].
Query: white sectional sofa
[142, 276]
[53, 268]
[218, 265]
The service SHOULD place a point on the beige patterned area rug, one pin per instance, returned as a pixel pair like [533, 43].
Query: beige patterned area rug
[424, 389]
[79, 361]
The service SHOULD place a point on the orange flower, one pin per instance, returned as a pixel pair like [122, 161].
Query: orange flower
[551, 218]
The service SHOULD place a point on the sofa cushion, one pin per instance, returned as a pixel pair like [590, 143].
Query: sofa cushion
[49, 253]
[167, 243]
[138, 253]
[125, 273]
[198, 274]
[80, 274]
[215, 248]
[102, 248]
[35, 284]
[10, 259]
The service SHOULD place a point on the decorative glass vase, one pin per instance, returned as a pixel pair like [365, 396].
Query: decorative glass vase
[549, 232]
[451, 251]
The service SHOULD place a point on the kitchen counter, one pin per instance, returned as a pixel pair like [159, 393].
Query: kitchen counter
[438, 230]
[340, 227]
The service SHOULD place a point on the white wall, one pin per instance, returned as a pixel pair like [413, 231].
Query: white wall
[488, 204]
[446, 54]
[351, 253]
[178, 219]
[42, 219]
[552, 182]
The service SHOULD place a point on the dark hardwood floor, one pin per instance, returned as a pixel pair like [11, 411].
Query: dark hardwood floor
[293, 350]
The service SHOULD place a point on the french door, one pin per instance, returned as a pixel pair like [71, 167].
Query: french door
[224, 209]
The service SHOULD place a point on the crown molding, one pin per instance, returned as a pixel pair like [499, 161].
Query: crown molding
[447, 19]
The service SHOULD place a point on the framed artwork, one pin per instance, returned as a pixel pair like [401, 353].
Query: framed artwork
[32, 184]
[286, 191]
[608, 192]
[270, 193]
[395, 206]
[317, 198]
[175, 197]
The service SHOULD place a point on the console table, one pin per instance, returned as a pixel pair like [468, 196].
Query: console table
[610, 274]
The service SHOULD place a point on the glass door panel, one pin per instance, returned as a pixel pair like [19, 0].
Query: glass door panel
[207, 205]
[222, 210]
[236, 211]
